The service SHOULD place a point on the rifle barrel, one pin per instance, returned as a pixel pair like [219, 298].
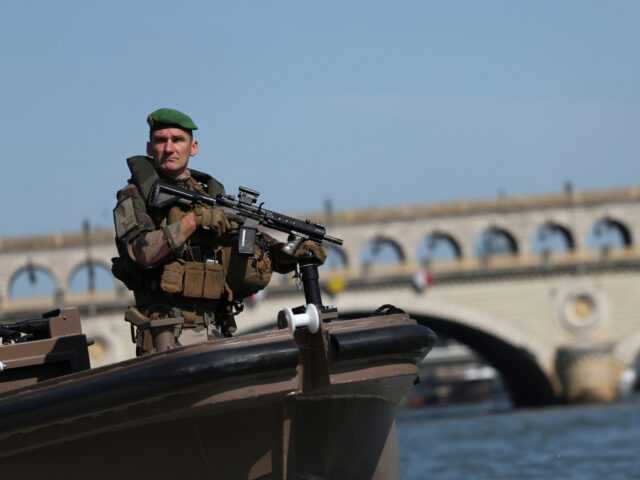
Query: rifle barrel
[335, 240]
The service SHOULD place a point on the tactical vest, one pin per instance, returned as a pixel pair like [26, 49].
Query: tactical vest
[226, 275]
[144, 175]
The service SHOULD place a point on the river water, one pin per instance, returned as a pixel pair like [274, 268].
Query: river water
[493, 441]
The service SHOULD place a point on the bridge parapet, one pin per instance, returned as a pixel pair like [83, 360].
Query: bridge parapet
[406, 227]
[357, 276]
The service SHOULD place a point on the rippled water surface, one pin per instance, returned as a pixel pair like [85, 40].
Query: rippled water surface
[481, 442]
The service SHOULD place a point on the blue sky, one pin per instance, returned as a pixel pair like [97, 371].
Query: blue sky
[363, 103]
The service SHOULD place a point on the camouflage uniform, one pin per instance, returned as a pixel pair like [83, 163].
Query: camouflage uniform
[149, 243]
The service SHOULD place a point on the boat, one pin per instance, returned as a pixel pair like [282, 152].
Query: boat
[313, 398]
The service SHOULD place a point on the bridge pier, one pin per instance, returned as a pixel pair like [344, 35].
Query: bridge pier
[588, 373]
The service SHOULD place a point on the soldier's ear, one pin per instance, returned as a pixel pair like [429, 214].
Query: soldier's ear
[194, 147]
[149, 151]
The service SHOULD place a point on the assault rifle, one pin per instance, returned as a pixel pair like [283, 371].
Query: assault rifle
[165, 195]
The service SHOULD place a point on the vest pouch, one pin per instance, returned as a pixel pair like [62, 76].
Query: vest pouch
[213, 281]
[171, 278]
[193, 279]
[247, 275]
[258, 273]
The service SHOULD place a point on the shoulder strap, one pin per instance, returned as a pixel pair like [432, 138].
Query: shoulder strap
[144, 174]
[214, 187]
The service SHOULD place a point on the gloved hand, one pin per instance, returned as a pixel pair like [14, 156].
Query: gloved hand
[308, 247]
[215, 219]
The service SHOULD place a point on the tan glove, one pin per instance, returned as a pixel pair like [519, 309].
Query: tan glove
[308, 247]
[215, 219]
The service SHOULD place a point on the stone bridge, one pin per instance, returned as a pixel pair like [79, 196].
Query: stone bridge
[545, 288]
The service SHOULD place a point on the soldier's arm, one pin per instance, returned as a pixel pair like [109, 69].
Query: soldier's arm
[146, 243]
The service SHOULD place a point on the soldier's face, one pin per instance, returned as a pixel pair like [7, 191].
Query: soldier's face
[171, 149]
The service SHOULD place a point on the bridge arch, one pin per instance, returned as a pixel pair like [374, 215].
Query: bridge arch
[336, 257]
[439, 245]
[495, 240]
[381, 249]
[526, 365]
[34, 272]
[608, 233]
[552, 237]
[523, 377]
[102, 277]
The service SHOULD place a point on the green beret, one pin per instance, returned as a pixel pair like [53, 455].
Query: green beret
[167, 118]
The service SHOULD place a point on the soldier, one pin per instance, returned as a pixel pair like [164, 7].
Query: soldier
[182, 262]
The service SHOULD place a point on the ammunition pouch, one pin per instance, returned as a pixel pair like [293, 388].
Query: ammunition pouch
[195, 280]
[214, 282]
[171, 277]
[247, 274]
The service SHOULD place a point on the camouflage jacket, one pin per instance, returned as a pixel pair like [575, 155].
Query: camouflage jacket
[148, 237]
